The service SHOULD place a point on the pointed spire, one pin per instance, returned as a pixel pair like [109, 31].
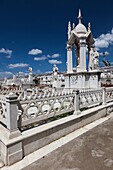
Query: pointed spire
[69, 29]
[73, 25]
[69, 26]
[89, 26]
[79, 16]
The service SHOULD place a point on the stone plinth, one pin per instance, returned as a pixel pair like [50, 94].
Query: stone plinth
[83, 80]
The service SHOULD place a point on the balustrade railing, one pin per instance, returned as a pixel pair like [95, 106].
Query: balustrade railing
[33, 106]
[3, 109]
[7, 91]
[109, 94]
[89, 98]
[40, 106]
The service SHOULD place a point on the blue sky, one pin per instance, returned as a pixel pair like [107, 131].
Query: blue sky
[33, 33]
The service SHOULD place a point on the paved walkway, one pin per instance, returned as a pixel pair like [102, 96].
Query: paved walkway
[90, 151]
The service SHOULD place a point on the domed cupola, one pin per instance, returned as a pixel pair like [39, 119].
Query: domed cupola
[80, 28]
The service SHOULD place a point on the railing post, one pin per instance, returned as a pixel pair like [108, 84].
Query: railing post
[76, 103]
[104, 96]
[25, 93]
[11, 117]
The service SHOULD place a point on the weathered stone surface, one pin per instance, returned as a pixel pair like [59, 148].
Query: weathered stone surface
[91, 151]
[1, 163]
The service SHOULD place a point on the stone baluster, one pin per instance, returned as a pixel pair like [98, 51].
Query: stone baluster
[33, 92]
[76, 103]
[25, 95]
[12, 114]
[104, 95]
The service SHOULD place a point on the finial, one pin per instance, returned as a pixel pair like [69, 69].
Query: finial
[89, 26]
[69, 29]
[73, 25]
[69, 25]
[79, 16]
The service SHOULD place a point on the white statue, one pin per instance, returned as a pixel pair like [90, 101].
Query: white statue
[30, 69]
[30, 78]
[55, 68]
[55, 72]
[93, 59]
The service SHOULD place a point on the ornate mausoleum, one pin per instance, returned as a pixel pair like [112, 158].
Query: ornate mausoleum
[87, 74]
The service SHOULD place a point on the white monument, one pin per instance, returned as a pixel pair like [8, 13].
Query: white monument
[55, 82]
[93, 59]
[30, 78]
[81, 39]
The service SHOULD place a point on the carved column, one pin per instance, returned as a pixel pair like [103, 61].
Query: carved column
[77, 57]
[82, 55]
[69, 59]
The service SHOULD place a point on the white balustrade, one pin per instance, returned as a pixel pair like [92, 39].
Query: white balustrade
[35, 106]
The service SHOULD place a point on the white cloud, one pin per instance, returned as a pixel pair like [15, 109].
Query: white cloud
[55, 62]
[8, 56]
[5, 74]
[55, 55]
[20, 73]
[111, 63]
[46, 57]
[35, 52]
[40, 58]
[104, 40]
[105, 53]
[6, 51]
[101, 43]
[48, 72]
[38, 71]
[17, 65]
